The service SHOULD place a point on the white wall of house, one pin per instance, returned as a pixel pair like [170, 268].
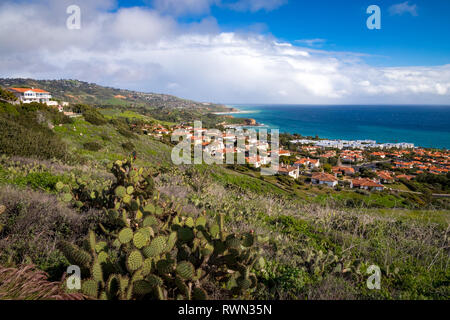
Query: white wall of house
[328, 183]
[31, 96]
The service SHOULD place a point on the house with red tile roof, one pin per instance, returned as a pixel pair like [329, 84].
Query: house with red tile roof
[324, 178]
[385, 177]
[366, 184]
[28, 95]
[290, 171]
[381, 155]
[310, 163]
[254, 161]
[347, 171]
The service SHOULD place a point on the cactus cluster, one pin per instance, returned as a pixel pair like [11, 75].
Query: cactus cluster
[152, 250]
[83, 191]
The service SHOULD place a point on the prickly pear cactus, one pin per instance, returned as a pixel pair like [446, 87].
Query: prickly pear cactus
[151, 250]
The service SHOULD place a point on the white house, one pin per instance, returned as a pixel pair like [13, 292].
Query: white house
[28, 95]
[324, 178]
[366, 184]
[311, 163]
[289, 171]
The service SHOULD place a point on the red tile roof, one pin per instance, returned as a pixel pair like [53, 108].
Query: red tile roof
[22, 90]
[324, 177]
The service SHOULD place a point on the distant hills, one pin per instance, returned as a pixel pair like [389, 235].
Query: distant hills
[75, 91]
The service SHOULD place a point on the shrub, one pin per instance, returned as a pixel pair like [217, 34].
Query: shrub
[90, 114]
[6, 95]
[104, 137]
[8, 109]
[38, 180]
[123, 128]
[92, 146]
[32, 223]
[94, 117]
[23, 136]
[128, 146]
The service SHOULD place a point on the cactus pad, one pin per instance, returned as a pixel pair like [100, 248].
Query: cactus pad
[97, 272]
[74, 254]
[214, 230]
[248, 240]
[67, 197]
[125, 235]
[233, 243]
[154, 281]
[201, 221]
[140, 239]
[134, 260]
[150, 221]
[155, 248]
[142, 287]
[90, 288]
[189, 222]
[130, 190]
[120, 191]
[185, 270]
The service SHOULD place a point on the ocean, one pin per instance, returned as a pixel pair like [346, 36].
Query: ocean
[425, 126]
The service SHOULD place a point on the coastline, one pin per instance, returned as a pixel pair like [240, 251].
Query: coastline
[231, 113]
[425, 126]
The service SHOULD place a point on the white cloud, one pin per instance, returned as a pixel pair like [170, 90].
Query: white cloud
[201, 7]
[141, 49]
[254, 5]
[404, 7]
[180, 7]
[312, 42]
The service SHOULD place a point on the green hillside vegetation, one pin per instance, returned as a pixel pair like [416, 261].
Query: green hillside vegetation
[75, 91]
[7, 96]
[146, 229]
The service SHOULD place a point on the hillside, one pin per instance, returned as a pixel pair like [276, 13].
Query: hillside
[75, 91]
[196, 232]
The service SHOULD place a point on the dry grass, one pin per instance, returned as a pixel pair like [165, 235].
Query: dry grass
[34, 222]
[29, 283]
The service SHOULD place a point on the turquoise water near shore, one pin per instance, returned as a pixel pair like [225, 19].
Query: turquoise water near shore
[426, 126]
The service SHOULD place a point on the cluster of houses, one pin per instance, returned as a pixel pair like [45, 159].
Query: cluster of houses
[347, 176]
[418, 160]
[353, 144]
[342, 174]
[331, 180]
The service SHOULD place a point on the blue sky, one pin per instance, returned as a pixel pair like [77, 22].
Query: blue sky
[237, 51]
[405, 39]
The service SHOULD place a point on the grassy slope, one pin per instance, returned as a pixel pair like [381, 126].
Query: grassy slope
[75, 91]
[407, 245]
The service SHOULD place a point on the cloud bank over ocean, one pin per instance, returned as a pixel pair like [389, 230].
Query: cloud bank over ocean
[151, 50]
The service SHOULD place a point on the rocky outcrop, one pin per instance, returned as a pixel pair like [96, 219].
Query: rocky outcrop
[250, 122]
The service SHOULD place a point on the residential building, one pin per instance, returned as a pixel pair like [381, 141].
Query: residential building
[307, 162]
[324, 178]
[346, 171]
[290, 171]
[28, 95]
[366, 184]
[385, 177]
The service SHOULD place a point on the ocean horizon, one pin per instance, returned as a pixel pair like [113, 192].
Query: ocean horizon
[424, 125]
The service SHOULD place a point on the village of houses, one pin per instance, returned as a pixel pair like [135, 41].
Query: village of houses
[308, 160]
